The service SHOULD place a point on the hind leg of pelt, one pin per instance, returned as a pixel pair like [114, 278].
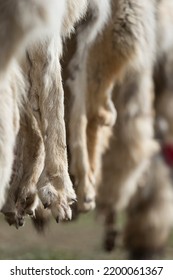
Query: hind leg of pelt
[9, 122]
[80, 167]
[88, 120]
[54, 187]
[33, 164]
[110, 230]
[22, 197]
[132, 144]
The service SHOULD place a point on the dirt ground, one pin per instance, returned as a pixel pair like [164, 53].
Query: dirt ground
[81, 239]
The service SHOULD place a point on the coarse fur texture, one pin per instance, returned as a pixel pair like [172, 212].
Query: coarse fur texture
[16, 21]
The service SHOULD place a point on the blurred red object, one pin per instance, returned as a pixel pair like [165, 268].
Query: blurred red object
[167, 150]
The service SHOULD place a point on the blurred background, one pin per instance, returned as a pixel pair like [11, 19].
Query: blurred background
[77, 240]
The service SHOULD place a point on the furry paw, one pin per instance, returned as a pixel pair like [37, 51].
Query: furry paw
[110, 240]
[58, 201]
[27, 202]
[10, 213]
[15, 213]
[14, 219]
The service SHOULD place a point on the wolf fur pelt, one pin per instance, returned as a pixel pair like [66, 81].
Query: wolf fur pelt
[131, 147]
[93, 73]
[149, 208]
[42, 124]
[17, 28]
[120, 43]
[122, 165]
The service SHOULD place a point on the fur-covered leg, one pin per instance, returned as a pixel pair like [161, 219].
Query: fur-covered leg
[22, 197]
[33, 164]
[7, 138]
[132, 144]
[11, 89]
[54, 187]
[150, 217]
[98, 13]
[110, 57]
[17, 27]
[110, 233]
[80, 168]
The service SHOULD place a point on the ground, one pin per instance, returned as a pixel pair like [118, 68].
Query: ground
[81, 239]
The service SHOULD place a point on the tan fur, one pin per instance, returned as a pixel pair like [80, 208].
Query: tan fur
[131, 150]
[129, 34]
[164, 97]
[28, 165]
[46, 123]
[132, 143]
[150, 217]
[11, 88]
[17, 29]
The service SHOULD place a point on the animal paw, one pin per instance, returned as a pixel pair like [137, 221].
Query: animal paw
[110, 240]
[15, 215]
[27, 202]
[58, 201]
[13, 218]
